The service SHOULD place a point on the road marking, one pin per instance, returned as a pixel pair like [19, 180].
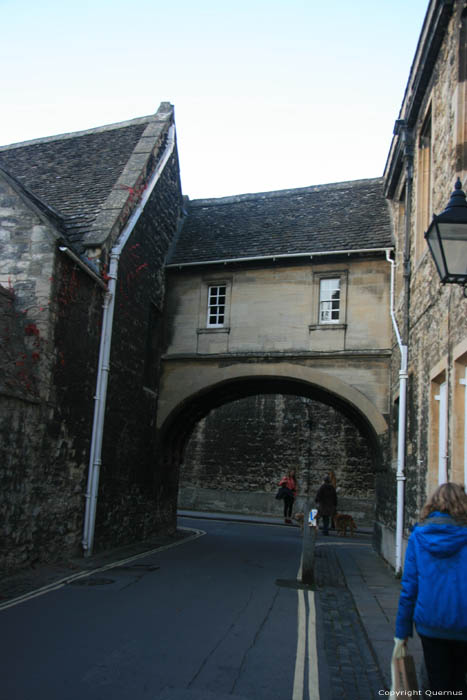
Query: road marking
[313, 675]
[299, 675]
[307, 652]
[69, 579]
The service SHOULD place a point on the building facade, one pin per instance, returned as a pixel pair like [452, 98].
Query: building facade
[86, 222]
[286, 294]
[138, 327]
[428, 153]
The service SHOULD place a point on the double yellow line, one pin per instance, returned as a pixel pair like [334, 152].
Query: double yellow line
[306, 662]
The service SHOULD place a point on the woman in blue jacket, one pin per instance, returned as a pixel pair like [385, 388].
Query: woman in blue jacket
[434, 588]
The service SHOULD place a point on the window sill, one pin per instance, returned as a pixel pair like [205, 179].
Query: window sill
[327, 327]
[201, 331]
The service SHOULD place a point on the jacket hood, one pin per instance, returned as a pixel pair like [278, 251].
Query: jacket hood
[441, 539]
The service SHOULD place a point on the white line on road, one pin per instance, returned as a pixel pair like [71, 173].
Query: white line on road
[69, 579]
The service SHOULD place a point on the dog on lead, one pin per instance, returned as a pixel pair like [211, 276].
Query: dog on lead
[344, 522]
[300, 518]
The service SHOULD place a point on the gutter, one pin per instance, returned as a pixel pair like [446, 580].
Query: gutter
[95, 457]
[279, 257]
[78, 261]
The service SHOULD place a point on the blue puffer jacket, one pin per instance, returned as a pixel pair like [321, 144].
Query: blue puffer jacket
[434, 584]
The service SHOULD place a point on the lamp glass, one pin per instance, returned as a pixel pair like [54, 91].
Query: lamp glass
[448, 244]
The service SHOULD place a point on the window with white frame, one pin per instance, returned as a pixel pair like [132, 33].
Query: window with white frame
[216, 305]
[329, 300]
[463, 383]
[442, 433]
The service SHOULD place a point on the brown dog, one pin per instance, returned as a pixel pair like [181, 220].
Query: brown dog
[300, 518]
[342, 522]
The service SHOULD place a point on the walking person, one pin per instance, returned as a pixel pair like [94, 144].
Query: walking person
[326, 498]
[434, 589]
[289, 481]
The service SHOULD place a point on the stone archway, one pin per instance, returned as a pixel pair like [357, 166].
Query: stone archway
[196, 401]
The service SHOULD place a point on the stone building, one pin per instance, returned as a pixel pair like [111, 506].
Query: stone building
[230, 338]
[428, 152]
[86, 222]
[278, 342]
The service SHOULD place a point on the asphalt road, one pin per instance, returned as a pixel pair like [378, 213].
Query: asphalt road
[216, 617]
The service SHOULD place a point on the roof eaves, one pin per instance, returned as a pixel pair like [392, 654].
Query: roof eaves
[431, 37]
[283, 256]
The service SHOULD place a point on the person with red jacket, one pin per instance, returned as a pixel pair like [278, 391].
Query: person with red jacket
[289, 483]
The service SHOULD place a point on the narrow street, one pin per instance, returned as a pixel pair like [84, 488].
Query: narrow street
[219, 616]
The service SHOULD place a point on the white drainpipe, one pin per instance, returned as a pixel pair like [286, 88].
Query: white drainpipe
[400, 476]
[104, 353]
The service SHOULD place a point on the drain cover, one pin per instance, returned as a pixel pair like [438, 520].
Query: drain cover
[92, 581]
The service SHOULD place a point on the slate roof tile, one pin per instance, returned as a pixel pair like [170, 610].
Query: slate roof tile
[74, 173]
[337, 216]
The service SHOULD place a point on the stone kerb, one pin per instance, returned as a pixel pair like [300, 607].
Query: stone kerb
[183, 382]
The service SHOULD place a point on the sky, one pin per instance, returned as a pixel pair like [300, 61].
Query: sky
[268, 94]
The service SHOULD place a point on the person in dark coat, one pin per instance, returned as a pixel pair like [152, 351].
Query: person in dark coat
[434, 589]
[326, 498]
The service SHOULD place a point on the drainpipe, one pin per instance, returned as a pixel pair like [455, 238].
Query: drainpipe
[104, 352]
[407, 141]
[400, 475]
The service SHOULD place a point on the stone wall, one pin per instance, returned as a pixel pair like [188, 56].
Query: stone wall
[46, 430]
[46, 433]
[131, 500]
[27, 256]
[238, 453]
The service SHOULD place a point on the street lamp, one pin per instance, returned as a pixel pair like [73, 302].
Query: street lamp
[447, 239]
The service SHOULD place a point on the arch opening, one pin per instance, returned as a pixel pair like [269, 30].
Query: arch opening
[181, 424]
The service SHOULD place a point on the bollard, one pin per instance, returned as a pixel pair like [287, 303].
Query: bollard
[308, 551]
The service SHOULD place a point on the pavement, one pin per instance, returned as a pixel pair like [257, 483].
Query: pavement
[356, 591]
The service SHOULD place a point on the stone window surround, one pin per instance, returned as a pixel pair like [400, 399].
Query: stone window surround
[214, 281]
[217, 297]
[424, 167]
[342, 274]
[438, 422]
[459, 414]
[455, 379]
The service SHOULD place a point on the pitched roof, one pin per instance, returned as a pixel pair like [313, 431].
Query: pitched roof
[339, 216]
[75, 174]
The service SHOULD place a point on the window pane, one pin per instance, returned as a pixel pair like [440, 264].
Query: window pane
[216, 305]
[329, 300]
